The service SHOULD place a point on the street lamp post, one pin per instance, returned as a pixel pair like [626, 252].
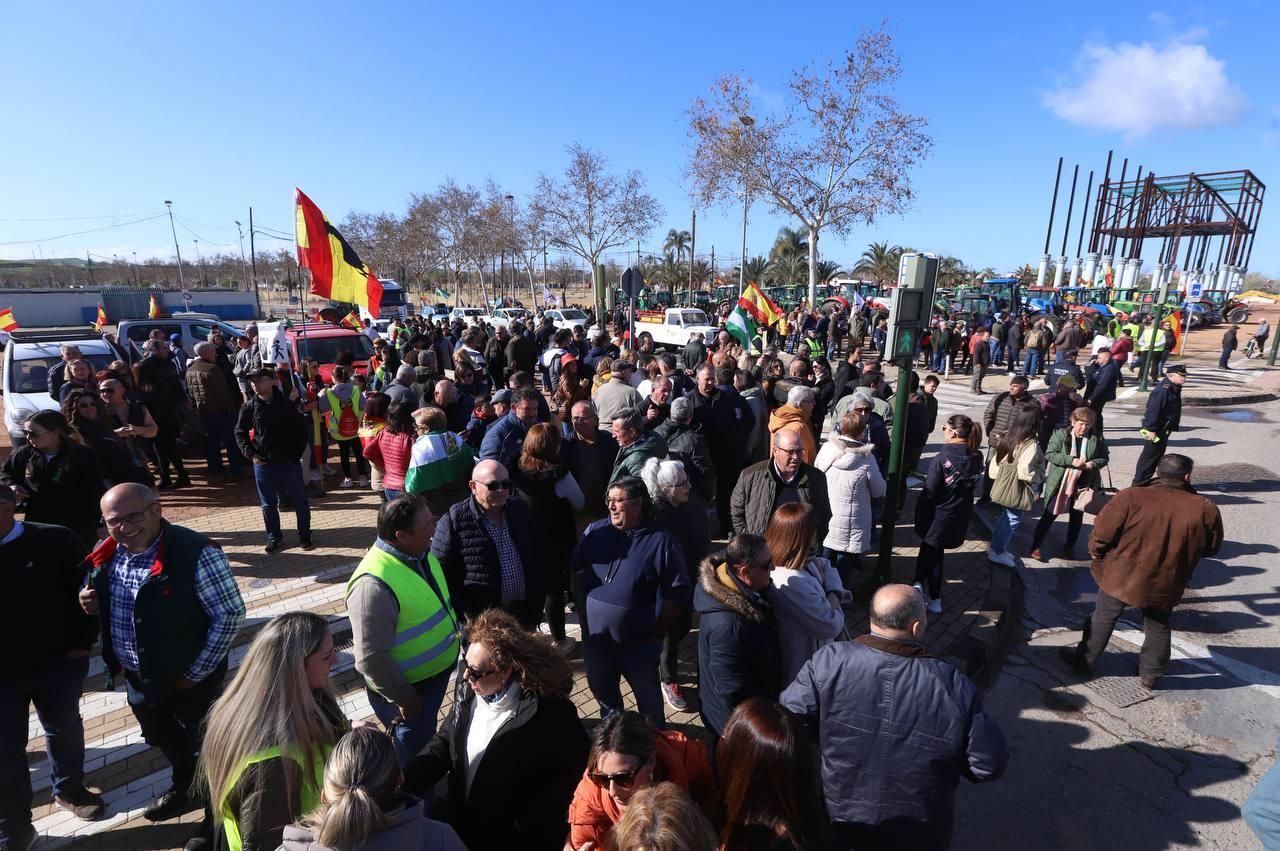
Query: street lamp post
[181, 281]
[199, 261]
[137, 273]
[747, 122]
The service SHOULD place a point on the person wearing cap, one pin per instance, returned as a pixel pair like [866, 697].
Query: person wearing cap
[999, 413]
[177, 354]
[617, 393]
[272, 433]
[1065, 364]
[1056, 408]
[1101, 380]
[1161, 418]
[1230, 342]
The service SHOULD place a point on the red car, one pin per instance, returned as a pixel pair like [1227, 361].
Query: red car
[325, 342]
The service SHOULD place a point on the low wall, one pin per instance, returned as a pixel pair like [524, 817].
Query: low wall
[43, 308]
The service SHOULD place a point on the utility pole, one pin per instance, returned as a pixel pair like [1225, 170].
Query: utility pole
[137, 274]
[693, 245]
[199, 261]
[90, 259]
[747, 122]
[181, 281]
[253, 264]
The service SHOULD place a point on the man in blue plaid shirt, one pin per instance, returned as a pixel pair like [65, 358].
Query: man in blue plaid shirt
[169, 609]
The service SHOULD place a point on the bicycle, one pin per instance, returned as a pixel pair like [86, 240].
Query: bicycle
[1252, 349]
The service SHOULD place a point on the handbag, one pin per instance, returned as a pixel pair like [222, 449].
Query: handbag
[1009, 490]
[1092, 500]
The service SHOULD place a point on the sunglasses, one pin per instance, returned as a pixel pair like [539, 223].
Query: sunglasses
[623, 779]
[502, 485]
[475, 674]
[32, 435]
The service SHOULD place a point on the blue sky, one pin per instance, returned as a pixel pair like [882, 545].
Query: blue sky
[110, 109]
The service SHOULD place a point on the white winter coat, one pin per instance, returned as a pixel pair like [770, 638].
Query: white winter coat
[853, 479]
[806, 618]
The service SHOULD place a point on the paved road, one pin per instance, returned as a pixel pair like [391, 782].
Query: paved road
[1170, 771]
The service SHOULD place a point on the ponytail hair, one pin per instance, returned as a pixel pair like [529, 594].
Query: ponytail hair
[967, 430]
[360, 782]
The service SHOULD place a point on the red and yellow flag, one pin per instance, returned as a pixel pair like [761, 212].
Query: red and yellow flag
[337, 273]
[761, 308]
[101, 321]
[153, 310]
[1175, 325]
[352, 321]
[7, 322]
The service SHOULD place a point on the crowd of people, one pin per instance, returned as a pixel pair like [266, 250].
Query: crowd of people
[503, 508]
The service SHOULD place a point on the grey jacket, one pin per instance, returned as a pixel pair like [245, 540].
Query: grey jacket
[751, 504]
[408, 830]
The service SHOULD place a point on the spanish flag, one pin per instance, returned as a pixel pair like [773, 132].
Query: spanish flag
[352, 321]
[154, 311]
[337, 273]
[7, 322]
[101, 321]
[760, 306]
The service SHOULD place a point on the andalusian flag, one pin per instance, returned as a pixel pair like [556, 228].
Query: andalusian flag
[741, 326]
[352, 321]
[154, 311]
[437, 459]
[101, 321]
[761, 308]
[7, 322]
[441, 292]
[337, 273]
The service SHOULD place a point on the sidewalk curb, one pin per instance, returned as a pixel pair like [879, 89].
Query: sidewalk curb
[977, 651]
[1230, 399]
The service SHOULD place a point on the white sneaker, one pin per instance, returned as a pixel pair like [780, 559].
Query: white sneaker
[924, 595]
[1005, 559]
[347, 483]
[363, 482]
[935, 607]
[315, 476]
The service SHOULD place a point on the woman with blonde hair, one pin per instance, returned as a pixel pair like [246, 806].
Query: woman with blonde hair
[512, 746]
[268, 735]
[663, 818]
[808, 596]
[361, 807]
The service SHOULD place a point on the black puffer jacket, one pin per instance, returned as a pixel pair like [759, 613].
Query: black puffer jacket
[737, 643]
[470, 559]
[897, 729]
[690, 448]
[554, 532]
[65, 489]
[279, 432]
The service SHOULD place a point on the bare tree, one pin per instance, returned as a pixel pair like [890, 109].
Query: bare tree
[838, 156]
[461, 226]
[591, 211]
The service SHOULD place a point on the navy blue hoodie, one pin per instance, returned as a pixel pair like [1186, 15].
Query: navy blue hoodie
[625, 578]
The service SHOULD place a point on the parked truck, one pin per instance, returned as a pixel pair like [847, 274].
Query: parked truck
[674, 326]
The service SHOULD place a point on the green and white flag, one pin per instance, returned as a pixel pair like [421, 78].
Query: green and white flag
[441, 293]
[742, 327]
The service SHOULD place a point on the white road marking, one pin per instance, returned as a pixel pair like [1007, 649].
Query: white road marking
[1206, 660]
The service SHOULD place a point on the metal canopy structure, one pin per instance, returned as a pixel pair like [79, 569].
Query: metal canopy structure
[1194, 207]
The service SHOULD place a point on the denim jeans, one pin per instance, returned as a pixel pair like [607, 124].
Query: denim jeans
[1262, 810]
[939, 361]
[55, 689]
[1007, 523]
[1035, 360]
[173, 721]
[219, 434]
[997, 349]
[412, 734]
[275, 481]
[608, 661]
[848, 565]
[391, 493]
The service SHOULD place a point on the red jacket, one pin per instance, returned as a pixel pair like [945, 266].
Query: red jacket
[392, 452]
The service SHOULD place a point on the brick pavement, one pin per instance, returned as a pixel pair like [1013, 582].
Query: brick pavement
[130, 774]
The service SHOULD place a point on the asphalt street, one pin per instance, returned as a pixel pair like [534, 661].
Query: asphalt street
[1171, 770]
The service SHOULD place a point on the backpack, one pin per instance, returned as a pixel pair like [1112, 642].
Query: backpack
[348, 423]
[1035, 338]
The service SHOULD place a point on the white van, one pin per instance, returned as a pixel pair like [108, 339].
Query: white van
[27, 359]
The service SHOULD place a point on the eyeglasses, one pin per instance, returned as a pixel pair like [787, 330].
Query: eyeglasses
[32, 435]
[611, 502]
[472, 673]
[131, 519]
[500, 485]
[623, 779]
[88, 403]
[682, 484]
[799, 450]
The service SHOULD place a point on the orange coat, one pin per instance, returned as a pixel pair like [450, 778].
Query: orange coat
[593, 813]
[791, 418]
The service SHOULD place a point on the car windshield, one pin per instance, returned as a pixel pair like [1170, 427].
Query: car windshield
[694, 317]
[31, 375]
[572, 315]
[327, 349]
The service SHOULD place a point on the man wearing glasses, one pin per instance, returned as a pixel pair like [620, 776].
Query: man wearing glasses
[486, 546]
[168, 608]
[781, 478]
[589, 453]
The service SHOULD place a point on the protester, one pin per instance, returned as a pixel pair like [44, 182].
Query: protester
[361, 807]
[1101, 381]
[589, 454]
[897, 729]
[686, 445]
[795, 416]
[1056, 407]
[808, 596]
[157, 381]
[553, 496]
[512, 745]
[627, 756]
[440, 463]
[217, 403]
[783, 478]
[391, 449]
[80, 376]
[271, 434]
[663, 818]
[945, 503]
[737, 630]
[403, 625]
[268, 735]
[570, 388]
[617, 394]
[853, 481]
[168, 608]
[57, 375]
[457, 405]
[769, 796]
[1162, 417]
[372, 424]
[685, 520]
[724, 418]
[503, 439]
[344, 407]
[55, 477]
[40, 614]
[998, 415]
[1144, 547]
[630, 583]
[1017, 472]
[635, 445]
[1076, 455]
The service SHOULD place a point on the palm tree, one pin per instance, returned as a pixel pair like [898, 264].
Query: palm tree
[789, 243]
[677, 243]
[952, 272]
[670, 273]
[701, 272]
[880, 262]
[790, 270]
[757, 271]
[827, 269]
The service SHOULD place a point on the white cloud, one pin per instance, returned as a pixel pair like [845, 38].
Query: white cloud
[1138, 88]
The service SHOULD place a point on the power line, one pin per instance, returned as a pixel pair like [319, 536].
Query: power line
[80, 232]
[79, 218]
[201, 238]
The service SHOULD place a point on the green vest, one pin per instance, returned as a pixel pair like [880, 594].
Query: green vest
[309, 795]
[335, 413]
[815, 347]
[426, 640]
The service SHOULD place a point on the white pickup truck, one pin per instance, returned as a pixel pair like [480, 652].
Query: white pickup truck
[507, 315]
[674, 326]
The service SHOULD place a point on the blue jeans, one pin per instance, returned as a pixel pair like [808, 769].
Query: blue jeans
[939, 361]
[412, 734]
[274, 481]
[219, 434]
[1035, 360]
[55, 690]
[1007, 524]
[391, 493]
[608, 662]
[997, 349]
[1262, 809]
[846, 564]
